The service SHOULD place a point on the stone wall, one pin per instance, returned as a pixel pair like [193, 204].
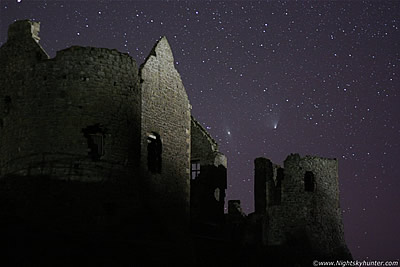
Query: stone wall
[316, 211]
[74, 131]
[90, 146]
[47, 103]
[166, 115]
[203, 145]
[267, 184]
[208, 187]
[22, 49]
[303, 209]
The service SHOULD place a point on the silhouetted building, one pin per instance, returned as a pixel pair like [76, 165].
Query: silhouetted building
[102, 160]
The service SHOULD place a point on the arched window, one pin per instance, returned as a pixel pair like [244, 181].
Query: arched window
[309, 181]
[154, 151]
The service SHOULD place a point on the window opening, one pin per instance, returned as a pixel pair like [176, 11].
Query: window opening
[195, 169]
[154, 151]
[95, 141]
[217, 194]
[309, 181]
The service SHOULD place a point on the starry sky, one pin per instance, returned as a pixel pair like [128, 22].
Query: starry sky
[270, 78]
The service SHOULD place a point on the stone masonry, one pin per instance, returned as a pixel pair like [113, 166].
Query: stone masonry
[98, 138]
[299, 204]
[102, 157]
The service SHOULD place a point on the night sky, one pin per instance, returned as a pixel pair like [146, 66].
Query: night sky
[270, 79]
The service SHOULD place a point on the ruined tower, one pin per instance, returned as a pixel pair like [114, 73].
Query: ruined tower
[299, 204]
[89, 142]
[74, 117]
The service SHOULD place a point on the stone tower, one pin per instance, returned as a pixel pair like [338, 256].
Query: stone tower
[299, 204]
[72, 117]
[90, 143]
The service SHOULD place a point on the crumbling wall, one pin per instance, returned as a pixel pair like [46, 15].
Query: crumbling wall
[267, 184]
[21, 51]
[209, 185]
[18, 58]
[70, 140]
[47, 108]
[77, 120]
[307, 214]
[166, 116]
[317, 211]
[204, 147]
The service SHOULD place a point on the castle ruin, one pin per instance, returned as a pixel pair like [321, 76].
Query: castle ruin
[102, 159]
